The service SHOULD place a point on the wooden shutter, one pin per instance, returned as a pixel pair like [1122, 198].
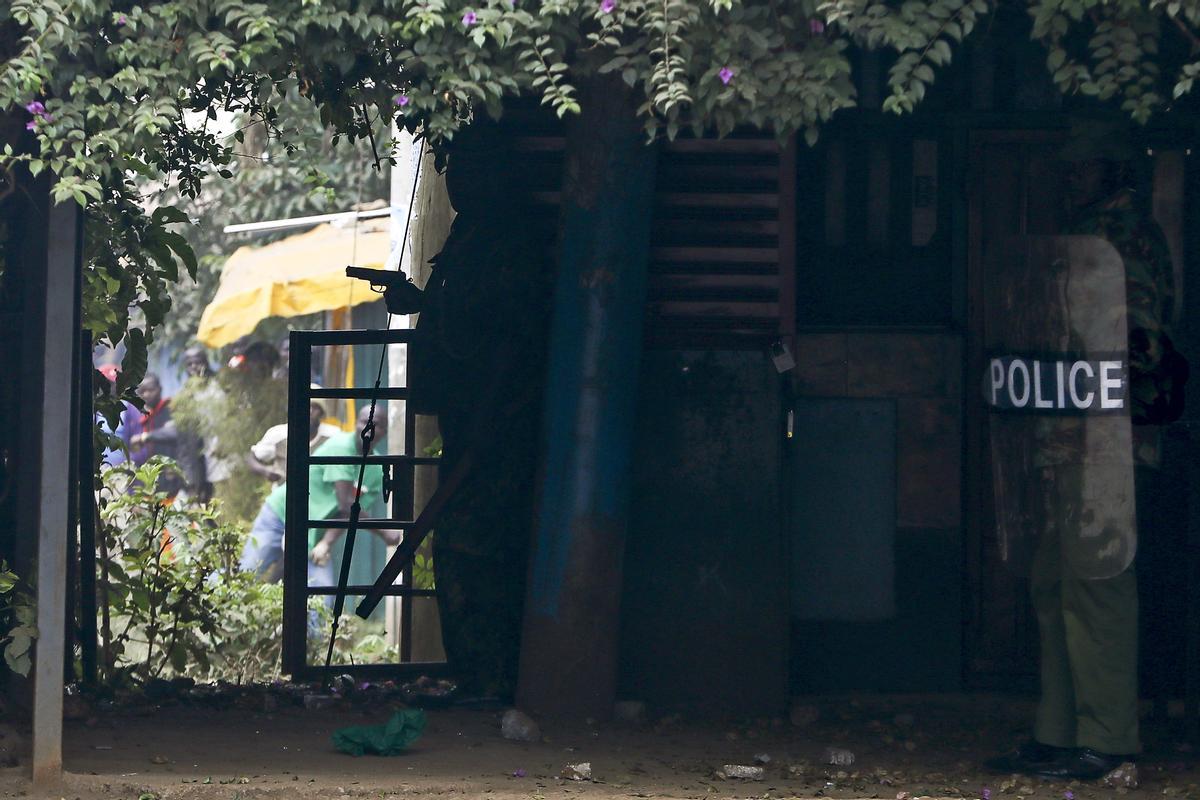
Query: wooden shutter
[722, 261]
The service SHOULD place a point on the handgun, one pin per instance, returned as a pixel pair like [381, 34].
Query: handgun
[399, 292]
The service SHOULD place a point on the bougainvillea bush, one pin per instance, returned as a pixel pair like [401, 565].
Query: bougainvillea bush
[124, 99]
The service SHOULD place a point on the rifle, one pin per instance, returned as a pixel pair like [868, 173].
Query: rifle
[399, 292]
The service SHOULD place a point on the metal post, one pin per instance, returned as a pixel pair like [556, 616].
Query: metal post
[61, 303]
[295, 552]
[87, 516]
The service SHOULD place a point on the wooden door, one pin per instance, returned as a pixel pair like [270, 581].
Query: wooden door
[1015, 190]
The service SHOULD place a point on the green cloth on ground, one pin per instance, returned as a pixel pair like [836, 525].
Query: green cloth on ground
[404, 728]
[322, 498]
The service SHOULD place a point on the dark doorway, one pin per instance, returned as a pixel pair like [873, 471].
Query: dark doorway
[1015, 190]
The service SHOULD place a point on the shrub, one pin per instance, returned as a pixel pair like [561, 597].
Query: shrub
[175, 603]
[18, 621]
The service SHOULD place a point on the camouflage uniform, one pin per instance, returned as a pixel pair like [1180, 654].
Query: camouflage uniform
[1088, 628]
[1149, 300]
[481, 332]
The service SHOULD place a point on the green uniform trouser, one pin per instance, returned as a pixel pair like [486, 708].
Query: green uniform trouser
[1089, 642]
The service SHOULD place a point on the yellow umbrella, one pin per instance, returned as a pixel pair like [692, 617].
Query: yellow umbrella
[302, 274]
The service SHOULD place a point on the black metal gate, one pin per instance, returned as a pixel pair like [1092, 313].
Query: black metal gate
[399, 478]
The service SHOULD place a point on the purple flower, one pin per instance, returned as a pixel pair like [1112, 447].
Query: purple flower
[469, 19]
[122, 19]
[401, 100]
[35, 108]
[607, 6]
[31, 126]
[816, 27]
[518, 773]
[986, 794]
[726, 75]
[1068, 795]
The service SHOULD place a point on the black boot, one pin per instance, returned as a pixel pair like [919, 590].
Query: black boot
[1083, 764]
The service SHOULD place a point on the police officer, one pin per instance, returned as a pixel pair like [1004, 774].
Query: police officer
[478, 363]
[1087, 717]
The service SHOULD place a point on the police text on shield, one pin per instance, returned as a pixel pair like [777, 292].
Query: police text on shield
[1056, 385]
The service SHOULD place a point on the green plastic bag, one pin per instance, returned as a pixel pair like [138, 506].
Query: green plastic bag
[401, 730]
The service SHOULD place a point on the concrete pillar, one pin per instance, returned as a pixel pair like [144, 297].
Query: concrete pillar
[56, 324]
[429, 225]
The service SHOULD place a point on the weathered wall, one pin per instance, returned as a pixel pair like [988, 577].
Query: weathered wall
[704, 616]
[917, 646]
[726, 611]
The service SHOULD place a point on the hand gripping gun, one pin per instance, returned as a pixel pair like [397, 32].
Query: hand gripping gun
[399, 292]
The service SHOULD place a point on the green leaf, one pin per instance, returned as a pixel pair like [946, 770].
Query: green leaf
[135, 362]
[611, 66]
[165, 215]
[26, 615]
[181, 248]
[21, 640]
[178, 657]
[19, 664]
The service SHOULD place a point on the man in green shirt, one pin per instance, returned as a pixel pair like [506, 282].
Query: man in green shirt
[331, 489]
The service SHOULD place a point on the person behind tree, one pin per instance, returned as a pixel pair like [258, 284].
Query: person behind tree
[1087, 718]
[478, 363]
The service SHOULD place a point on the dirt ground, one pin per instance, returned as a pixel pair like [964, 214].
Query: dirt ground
[922, 746]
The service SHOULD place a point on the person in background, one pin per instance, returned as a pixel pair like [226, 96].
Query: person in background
[110, 373]
[285, 358]
[195, 363]
[229, 411]
[193, 449]
[155, 433]
[128, 428]
[268, 457]
[115, 456]
[331, 492]
[255, 359]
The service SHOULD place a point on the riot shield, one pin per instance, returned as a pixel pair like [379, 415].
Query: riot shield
[1056, 387]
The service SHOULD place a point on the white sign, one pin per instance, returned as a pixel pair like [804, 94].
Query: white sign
[1056, 385]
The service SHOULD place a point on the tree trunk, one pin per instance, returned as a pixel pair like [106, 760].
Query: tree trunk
[570, 639]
